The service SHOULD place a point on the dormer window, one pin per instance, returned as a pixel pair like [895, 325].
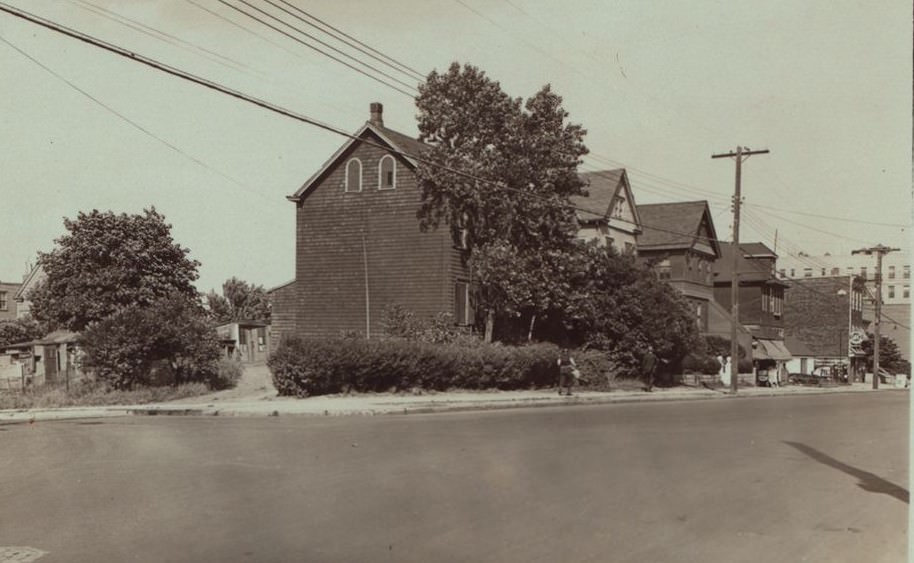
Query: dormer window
[354, 175]
[387, 173]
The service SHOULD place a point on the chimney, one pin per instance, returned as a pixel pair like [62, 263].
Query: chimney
[377, 114]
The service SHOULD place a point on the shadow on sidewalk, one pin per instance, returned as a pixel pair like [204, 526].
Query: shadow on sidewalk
[868, 481]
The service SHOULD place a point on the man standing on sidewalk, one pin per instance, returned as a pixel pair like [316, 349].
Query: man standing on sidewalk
[648, 367]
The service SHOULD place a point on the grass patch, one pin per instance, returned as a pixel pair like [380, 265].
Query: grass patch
[96, 394]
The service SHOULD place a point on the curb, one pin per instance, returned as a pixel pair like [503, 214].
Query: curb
[28, 417]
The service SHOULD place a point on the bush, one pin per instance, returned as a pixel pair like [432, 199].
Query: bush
[305, 367]
[169, 341]
[700, 364]
[598, 369]
[228, 373]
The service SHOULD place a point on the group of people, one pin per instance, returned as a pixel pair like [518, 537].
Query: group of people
[569, 373]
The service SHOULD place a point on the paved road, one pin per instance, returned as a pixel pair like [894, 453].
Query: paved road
[770, 479]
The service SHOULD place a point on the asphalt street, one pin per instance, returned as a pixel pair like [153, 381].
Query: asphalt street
[813, 478]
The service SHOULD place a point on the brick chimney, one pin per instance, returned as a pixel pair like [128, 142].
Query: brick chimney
[377, 114]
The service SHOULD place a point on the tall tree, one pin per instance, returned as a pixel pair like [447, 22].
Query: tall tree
[108, 262]
[499, 172]
[240, 301]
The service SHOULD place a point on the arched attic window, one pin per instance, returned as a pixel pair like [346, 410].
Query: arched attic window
[354, 175]
[387, 173]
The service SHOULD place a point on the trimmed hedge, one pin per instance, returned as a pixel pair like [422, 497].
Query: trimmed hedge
[305, 367]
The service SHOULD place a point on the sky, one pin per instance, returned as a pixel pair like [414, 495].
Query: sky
[825, 85]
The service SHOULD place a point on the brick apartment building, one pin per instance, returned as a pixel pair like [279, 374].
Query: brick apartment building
[359, 247]
[896, 286]
[827, 315]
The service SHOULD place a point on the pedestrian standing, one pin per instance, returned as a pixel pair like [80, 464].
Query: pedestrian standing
[566, 370]
[648, 367]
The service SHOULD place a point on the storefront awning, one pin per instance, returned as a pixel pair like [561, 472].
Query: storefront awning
[771, 350]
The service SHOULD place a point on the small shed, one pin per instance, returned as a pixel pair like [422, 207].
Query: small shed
[51, 360]
[248, 341]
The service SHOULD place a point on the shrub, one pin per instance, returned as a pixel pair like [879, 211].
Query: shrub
[305, 367]
[700, 364]
[598, 369]
[170, 340]
[227, 375]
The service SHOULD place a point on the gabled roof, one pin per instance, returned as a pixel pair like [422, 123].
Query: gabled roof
[404, 145]
[603, 187]
[676, 226]
[756, 263]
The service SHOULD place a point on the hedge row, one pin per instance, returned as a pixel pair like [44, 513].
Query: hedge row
[304, 367]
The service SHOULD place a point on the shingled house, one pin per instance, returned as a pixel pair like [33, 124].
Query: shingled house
[679, 242]
[359, 247]
[608, 213]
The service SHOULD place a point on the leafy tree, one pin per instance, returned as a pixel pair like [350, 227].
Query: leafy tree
[137, 343]
[618, 306]
[502, 174]
[19, 330]
[890, 358]
[108, 262]
[240, 301]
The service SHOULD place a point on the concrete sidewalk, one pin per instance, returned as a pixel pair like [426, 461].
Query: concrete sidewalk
[378, 404]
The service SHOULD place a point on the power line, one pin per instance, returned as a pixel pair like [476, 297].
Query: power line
[356, 44]
[319, 41]
[128, 120]
[162, 35]
[310, 46]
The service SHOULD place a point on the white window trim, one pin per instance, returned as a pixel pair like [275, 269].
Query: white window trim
[346, 180]
[381, 174]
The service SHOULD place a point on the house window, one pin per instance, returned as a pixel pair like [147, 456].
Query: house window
[891, 272]
[906, 272]
[262, 336]
[765, 298]
[354, 175]
[823, 272]
[242, 337]
[807, 272]
[663, 269]
[891, 292]
[863, 272]
[387, 173]
[4, 303]
[629, 248]
[793, 273]
[836, 271]
[906, 292]
[464, 307]
[618, 206]
[783, 273]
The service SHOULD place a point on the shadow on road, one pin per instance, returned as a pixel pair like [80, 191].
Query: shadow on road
[868, 481]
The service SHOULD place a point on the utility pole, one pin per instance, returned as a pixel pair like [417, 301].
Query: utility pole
[879, 250]
[741, 154]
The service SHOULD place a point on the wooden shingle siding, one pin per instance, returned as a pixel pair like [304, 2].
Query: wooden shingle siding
[282, 317]
[338, 234]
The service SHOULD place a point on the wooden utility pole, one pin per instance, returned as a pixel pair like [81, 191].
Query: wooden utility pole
[879, 250]
[741, 154]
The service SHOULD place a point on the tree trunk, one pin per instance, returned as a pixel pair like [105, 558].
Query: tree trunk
[490, 325]
[530, 332]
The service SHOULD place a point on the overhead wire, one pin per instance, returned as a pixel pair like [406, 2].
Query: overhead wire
[321, 42]
[162, 36]
[356, 44]
[129, 121]
[310, 46]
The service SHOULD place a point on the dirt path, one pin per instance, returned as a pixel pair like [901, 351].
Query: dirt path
[256, 384]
